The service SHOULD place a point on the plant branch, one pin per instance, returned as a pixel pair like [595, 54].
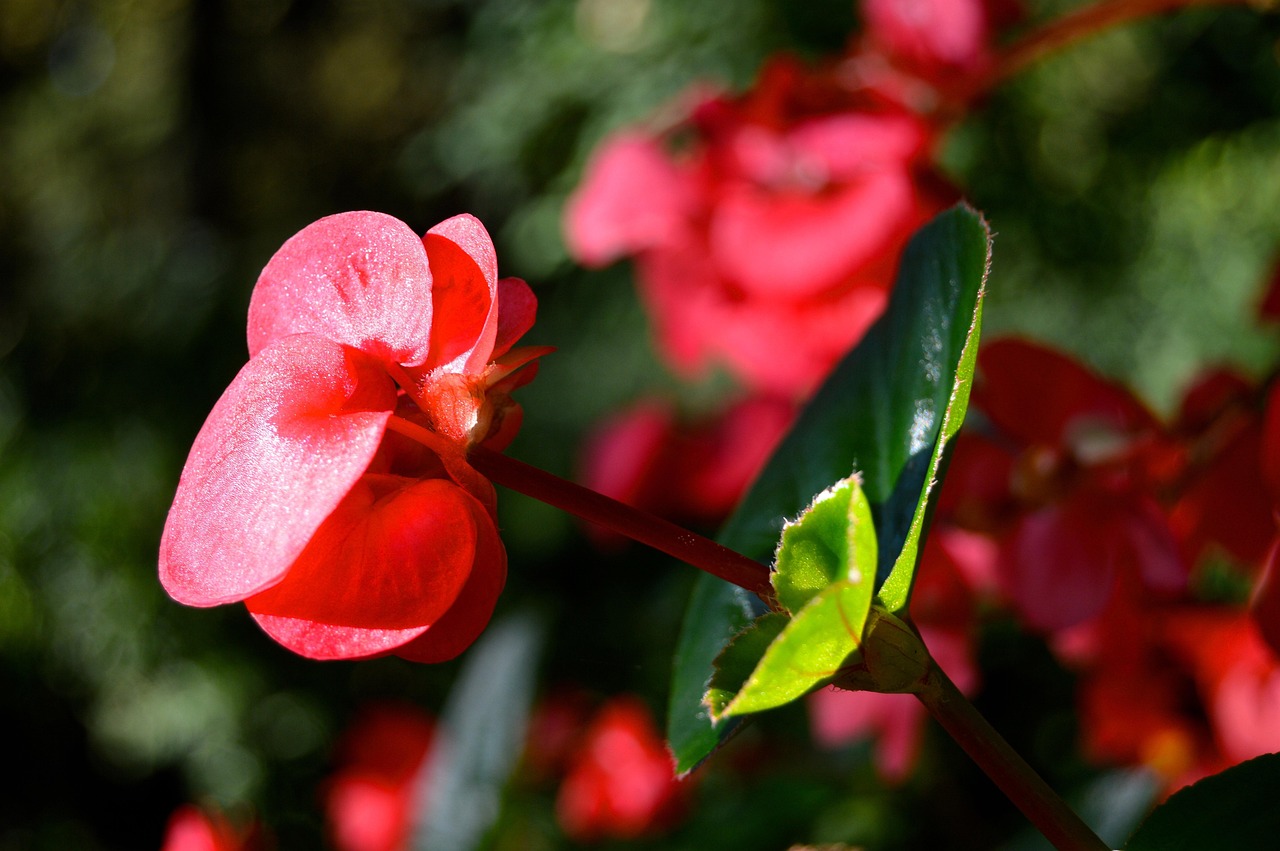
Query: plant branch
[663, 535]
[1083, 23]
[1009, 771]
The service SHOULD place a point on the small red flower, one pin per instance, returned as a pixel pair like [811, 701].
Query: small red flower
[620, 782]
[193, 829]
[371, 802]
[302, 496]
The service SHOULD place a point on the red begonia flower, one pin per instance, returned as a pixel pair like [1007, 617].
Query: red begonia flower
[372, 801]
[620, 783]
[303, 497]
[1076, 513]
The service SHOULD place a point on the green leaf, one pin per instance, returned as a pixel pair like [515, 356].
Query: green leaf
[717, 612]
[738, 661]
[1235, 809]
[809, 651]
[482, 732]
[889, 409]
[881, 412]
[834, 539]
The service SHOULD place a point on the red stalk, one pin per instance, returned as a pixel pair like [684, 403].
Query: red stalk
[663, 535]
[1081, 24]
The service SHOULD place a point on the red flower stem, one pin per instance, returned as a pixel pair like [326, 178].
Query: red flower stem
[1009, 771]
[1083, 23]
[663, 535]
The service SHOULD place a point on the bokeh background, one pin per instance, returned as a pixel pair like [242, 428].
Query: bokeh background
[153, 155]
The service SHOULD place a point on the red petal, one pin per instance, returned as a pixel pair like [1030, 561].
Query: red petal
[1038, 395]
[517, 309]
[279, 451]
[1058, 565]
[795, 245]
[360, 279]
[464, 270]
[469, 615]
[631, 198]
[394, 555]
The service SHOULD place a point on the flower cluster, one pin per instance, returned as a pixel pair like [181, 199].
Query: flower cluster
[377, 359]
[1136, 547]
[766, 228]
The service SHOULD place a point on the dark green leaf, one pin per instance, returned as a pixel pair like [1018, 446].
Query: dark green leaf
[1235, 809]
[482, 733]
[886, 405]
[738, 660]
[881, 412]
[717, 612]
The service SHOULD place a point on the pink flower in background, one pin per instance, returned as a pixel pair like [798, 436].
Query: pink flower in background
[688, 472]
[302, 495]
[619, 782]
[1079, 509]
[767, 243]
[372, 801]
[192, 829]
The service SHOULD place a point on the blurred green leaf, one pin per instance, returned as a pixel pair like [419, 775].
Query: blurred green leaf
[1234, 809]
[888, 411]
[482, 737]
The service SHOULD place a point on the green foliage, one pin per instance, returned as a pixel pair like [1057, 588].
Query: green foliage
[888, 411]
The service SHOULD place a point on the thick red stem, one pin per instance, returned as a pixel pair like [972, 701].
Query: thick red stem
[664, 536]
[1009, 771]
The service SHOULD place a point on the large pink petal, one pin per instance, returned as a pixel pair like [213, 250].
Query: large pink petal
[517, 309]
[631, 198]
[395, 554]
[360, 279]
[464, 272]
[279, 451]
[794, 244]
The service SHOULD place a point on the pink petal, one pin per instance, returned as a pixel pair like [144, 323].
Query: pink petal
[850, 145]
[394, 555]
[1059, 565]
[1011, 369]
[517, 309]
[360, 279]
[279, 451]
[328, 641]
[794, 244]
[631, 198]
[464, 271]
[929, 32]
